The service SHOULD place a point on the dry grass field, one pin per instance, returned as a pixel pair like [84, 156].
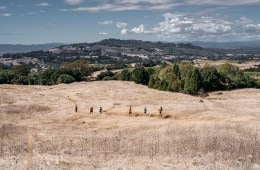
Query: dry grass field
[39, 128]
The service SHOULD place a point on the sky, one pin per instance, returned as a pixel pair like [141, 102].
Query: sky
[76, 21]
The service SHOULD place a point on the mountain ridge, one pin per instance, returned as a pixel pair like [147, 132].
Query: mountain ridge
[21, 48]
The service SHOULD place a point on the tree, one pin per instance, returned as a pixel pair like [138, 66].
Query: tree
[211, 79]
[233, 77]
[125, 75]
[65, 78]
[82, 66]
[21, 70]
[6, 76]
[151, 82]
[107, 74]
[140, 76]
[187, 83]
[176, 71]
[192, 82]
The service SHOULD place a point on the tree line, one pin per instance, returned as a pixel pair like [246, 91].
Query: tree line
[180, 77]
[186, 78]
[67, 72]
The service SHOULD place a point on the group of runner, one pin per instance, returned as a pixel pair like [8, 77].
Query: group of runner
[91, 110]
[145, 111]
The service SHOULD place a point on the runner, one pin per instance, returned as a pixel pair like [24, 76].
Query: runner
[91, 110]
[100, 110]
[130, 111]
[160, 112]
[145, 111]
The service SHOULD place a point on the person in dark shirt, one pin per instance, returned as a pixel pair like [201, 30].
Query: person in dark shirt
[91, 110]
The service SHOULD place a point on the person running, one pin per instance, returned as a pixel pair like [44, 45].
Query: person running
[160, 112]
[145, 111]
[91, 110]
[130, 111]
[76, 108]
[100, 110]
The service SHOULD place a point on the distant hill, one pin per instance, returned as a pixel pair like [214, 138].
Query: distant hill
[228, 45]
[19, 48]
[120, 52]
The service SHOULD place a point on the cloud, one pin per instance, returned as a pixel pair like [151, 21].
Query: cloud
[105, 22]
[121, 25]
[132, 5]
[140, 29]
[3, 7]
[73, 2]
[103, 33]
[196, 27]
[7, 14]
[43, 4]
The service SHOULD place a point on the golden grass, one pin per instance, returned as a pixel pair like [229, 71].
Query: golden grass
[40, 130]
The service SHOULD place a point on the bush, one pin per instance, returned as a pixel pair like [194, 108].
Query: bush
[102, 75]
[65, 78]
[140, 76]
[107, 78]
[125, 75]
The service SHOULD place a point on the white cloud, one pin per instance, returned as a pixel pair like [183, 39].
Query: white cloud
[103, 33]
[196, 27]
[139, 30]
[3, 7]
[131, 5]
[121, 25]
[73, 2]
[7, 14]
[105, 22]
[124, 31]
[43, 4]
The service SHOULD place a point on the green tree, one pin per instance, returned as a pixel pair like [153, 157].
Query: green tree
[21, 70]
[211, 79]
[176, 71]
[125, 75]
[107, 74]
[6, 76]
[65, 78]
[81, 66]
[192, 82]
[233, 77]
[140, 76]
[187, 83]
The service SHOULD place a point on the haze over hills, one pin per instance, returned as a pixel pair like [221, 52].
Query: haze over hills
[20, 48]
[112, 51]
[228, 45]
[118, 52]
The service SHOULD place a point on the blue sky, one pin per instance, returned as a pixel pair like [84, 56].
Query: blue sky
[74, 21]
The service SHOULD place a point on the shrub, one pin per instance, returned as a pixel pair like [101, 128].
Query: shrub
[65, 78]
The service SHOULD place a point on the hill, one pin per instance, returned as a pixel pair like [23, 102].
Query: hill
[113, 51]
[19, 48]
[40, 129]
[228, 45]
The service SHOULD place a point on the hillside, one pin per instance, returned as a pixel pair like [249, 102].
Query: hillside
[19, 48]
[118, 52]
[112, 51]
[40, 129]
